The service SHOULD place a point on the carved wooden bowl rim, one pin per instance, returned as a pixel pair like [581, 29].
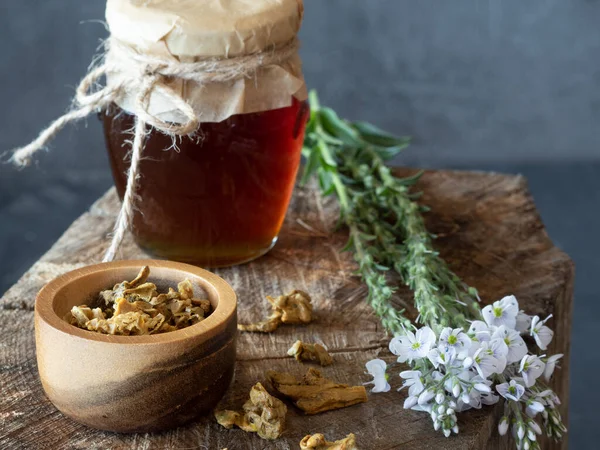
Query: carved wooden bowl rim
[218, 290]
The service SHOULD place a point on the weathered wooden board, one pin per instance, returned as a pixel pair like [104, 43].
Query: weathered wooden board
[488, 230]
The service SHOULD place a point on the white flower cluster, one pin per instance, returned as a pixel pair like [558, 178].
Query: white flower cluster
[458, 369]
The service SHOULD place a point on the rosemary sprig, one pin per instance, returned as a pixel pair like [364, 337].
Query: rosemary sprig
[387, 230]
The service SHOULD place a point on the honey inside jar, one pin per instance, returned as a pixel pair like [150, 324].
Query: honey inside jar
[218, 198]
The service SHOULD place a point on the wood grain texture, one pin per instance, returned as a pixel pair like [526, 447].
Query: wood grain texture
[489, 231]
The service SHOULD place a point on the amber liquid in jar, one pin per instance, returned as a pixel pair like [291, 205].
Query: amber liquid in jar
[218, 199]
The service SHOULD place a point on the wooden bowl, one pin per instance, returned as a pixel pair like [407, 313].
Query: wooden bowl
[134, 383]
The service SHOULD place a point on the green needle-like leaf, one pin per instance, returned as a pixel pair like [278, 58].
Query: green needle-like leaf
[387, 230]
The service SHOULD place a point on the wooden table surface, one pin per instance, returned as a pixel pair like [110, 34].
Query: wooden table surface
[489, 231]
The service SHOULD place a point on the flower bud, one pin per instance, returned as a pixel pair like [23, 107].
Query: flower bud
[410, 402]
[450, 411]
[456, 389]
[482, 387]
[440, 398]
[441, 409]
[536, 406]
[425, 397]
[503, 426]
[535, 427]
[455, 429]
[406, 374]
[521, 432]
[468, 362]
[436, 425]
[447, 432]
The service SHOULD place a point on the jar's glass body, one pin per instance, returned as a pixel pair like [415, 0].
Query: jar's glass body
[219, 198]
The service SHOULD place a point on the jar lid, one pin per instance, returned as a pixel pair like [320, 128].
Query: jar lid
[204, 28]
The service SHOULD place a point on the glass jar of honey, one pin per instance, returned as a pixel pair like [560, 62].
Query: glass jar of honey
[220, 199]
[219, 196]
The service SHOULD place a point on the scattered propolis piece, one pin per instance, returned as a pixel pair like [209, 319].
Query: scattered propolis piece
[318, 442]
[268, 325]
[263, 414]
[310, 352]
[294, 308]
[314, 393]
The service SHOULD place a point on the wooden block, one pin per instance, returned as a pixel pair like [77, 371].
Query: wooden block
[489, 231]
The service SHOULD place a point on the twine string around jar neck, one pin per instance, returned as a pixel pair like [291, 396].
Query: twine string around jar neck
[144, 75]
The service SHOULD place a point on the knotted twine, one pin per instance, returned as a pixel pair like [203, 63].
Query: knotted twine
[142, 75]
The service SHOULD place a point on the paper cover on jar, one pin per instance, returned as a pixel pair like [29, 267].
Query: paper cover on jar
[192, 30]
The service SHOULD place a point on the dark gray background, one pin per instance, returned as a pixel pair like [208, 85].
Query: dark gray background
[506, 85]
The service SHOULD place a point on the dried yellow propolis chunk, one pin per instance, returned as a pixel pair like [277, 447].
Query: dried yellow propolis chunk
[263, 414]
[310, 352]
[318, 442]
[135, 308]
[314, 393]
[294, 308]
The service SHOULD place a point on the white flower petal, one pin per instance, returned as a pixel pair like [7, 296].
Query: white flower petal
[534, 408]
[481, 387]
[416, 388]
[503, 426]
[523, 322]
[499, 348]
[376, 367]
[401, 346]
[479, 329]
[410, 402]
[511, 304]
[488, 315]
[535, 427]
[465, 398]
[543, 336]
[550, 366]
[434, 357]
[423, 408]
[426, 337]
[464, 341]
[410, 374]
[380, 385]
[413, 382]
[425, 397]
[502, 389]
[445, 334]
[489, 399]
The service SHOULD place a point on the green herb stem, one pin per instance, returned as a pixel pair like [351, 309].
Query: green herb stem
[386, 226]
